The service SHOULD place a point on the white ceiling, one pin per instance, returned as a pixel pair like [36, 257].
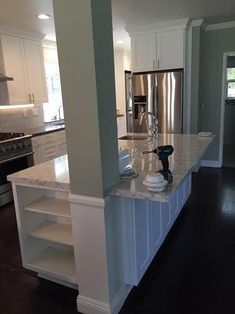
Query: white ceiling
[23, 13]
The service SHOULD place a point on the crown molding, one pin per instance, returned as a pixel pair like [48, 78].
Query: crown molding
[169, 25]
[195, 23]
[213, 27]
[20, 33]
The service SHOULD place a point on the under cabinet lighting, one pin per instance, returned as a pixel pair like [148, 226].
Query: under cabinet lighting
[16, 106]
[43, 16]
[120, 42]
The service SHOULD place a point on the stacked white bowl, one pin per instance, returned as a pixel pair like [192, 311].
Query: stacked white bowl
[155, 182]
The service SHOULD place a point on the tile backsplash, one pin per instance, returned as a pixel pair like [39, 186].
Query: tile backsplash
[17, 120]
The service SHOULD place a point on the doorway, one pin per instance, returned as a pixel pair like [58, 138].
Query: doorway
[227, 146]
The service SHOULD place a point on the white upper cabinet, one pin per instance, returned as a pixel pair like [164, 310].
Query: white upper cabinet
[23, 60]
[14, 66]
[144, 52]
[35, 70]
[158, 46]
[170, 49]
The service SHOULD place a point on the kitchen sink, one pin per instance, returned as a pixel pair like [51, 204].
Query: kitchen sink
[134, 137]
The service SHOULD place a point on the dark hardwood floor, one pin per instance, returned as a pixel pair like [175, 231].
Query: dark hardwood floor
[193, 273]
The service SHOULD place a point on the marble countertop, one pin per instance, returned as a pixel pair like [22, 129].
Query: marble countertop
[188, 151]
[47, 128]
[51, 174]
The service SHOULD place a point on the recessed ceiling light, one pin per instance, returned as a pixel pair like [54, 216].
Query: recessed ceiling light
[120, 42]
[43, 16]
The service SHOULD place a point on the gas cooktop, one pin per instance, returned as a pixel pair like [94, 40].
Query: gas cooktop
[9, 135]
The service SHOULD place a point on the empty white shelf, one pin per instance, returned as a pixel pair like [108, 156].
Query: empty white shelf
[54, 231]
[55, 262]
[51, 206]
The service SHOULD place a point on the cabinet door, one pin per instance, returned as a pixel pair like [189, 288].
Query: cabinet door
[121, 126]
[170, 49]
[35, 71]
[14, 63]
[143, 52]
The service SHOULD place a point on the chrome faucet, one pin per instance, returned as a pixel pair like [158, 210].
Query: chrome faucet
[153, 127]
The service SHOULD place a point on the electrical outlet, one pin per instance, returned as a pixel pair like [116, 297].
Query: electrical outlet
[35, 111]
[25, 113]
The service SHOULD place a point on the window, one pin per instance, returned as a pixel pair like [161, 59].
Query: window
[53, 110]
[230, 82]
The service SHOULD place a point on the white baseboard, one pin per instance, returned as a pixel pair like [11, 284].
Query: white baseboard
[90, 306]
[120, 298]
[211, 163]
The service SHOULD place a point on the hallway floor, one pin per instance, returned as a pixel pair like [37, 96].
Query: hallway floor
[229, 156]
[192, 273]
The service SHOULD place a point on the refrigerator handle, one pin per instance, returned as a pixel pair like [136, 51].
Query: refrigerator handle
[155, 95]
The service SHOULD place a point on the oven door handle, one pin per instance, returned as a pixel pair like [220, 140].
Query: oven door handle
[15, 158]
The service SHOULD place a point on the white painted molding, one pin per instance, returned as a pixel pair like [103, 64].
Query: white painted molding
[225, 25]
[49, 43]
[195, 23]
[211, 163]
[91, 306]
[222, 108]
[163, 26]
[187, 83]
[86, 200]
[20, 33]
[120, 298]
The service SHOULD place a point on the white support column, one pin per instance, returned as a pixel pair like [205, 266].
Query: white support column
[85, 50]
[88, 223]
[96, 228]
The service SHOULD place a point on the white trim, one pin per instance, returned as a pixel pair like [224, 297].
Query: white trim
[213, 27]
[20, 33]
[120, 298]
[163, 26]
[211, 163]
[86, 200]
[91, 306]
[187, 82]
[195, 23]
[222, 108]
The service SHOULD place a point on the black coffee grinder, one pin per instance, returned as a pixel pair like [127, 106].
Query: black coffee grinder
[163, 152]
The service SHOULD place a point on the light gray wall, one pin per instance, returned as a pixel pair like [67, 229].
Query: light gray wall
[84, 41]
[216, 42]
[195, 75]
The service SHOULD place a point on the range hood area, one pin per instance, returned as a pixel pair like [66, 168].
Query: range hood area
[4, 78]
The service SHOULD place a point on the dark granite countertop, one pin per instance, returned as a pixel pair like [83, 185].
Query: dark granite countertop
[44, 129]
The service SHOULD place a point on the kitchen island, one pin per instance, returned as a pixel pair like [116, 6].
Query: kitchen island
[56, 243]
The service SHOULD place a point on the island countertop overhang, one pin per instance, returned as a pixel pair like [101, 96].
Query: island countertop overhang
[188, 152]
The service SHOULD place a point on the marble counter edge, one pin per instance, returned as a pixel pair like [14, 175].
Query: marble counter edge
[44, 130]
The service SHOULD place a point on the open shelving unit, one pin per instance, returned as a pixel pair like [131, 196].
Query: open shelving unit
[55, 232]
[46, 234]
[55, 262]
[51, 206]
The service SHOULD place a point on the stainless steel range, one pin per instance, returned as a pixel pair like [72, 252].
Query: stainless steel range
[15, 154]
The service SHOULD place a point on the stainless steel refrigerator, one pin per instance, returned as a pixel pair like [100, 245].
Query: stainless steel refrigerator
[158, 92]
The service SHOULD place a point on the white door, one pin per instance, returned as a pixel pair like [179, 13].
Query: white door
[143, 52]
[35, 71]
[14, 62]
[170, 49]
